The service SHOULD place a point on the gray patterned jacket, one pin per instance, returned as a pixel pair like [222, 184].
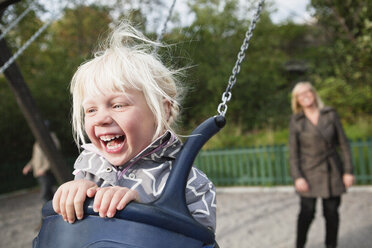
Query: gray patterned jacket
[147, 173]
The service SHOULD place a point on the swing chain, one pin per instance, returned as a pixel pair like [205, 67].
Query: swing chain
[23, 48]
[164, 29]
[226, 96]
[54, 16]
[15, 22]
[222, 107]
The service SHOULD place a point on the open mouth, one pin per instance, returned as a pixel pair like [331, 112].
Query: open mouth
[113, 143]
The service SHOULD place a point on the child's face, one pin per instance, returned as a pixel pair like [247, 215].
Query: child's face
[119, 125]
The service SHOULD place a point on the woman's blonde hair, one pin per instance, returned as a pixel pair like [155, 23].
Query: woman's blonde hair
[126, 61]
[296, 107]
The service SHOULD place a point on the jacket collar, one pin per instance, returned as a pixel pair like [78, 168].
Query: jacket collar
[322, 111]
[163, 148]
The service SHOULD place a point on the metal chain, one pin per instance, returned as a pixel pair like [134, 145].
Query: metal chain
[54, 16]
[15, 22]
[226, 96]
[164, 29]
[21, 50]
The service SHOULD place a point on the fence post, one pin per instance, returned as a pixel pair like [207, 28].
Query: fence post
[361, 164]
[241, 170]
[285, 164]
[269, 152]
[369, 157]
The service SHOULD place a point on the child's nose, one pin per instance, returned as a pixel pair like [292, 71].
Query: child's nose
[103, 118]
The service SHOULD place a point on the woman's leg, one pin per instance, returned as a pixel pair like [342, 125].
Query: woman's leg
[305, 217]
[330, 213]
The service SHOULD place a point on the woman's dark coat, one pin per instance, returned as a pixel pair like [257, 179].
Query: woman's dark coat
[313, 153]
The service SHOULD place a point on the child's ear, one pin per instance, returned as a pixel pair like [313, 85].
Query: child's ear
[167, 109]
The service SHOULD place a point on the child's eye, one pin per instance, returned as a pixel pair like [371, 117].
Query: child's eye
[90, 110]
[119, 106]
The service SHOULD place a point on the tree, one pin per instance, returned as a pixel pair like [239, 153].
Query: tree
[346, 31]
[212, 43]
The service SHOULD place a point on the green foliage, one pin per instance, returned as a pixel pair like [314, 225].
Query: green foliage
[356, 97]
[345, 28]
[212, 43]
[233, 137]
[360, 129]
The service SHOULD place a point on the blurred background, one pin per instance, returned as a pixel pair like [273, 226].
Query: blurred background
[328, 43]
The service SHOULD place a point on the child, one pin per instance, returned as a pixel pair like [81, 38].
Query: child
[126, 100]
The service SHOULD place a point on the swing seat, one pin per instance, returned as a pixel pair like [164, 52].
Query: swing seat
[165, 222]
[124, 230]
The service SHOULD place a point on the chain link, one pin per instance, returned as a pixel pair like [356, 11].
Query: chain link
[23, 48]
[164, 29]
[226, 96]
[54, 16]
[222, 107]
[15, 22]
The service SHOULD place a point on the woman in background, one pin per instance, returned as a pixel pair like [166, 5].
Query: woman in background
[316, 167]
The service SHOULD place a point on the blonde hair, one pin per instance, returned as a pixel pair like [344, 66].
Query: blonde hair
[126, 61]
[296, 107]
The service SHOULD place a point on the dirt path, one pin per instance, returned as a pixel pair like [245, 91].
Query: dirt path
[247, 217]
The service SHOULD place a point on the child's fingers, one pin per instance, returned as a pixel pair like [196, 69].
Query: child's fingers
[56, 199]
[131, 195]
[107, 195]
[70, 206]
[92, 191]
[79, 203]
[62, 203]
[119, 194]
[98, 199]
[110, 199]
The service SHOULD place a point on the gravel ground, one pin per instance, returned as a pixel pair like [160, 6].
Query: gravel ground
[247, 217]
[263, 218]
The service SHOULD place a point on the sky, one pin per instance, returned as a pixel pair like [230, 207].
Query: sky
[283, 10]
[293, 9]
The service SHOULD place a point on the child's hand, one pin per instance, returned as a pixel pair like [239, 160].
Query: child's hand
[69, 199]
[110, 199]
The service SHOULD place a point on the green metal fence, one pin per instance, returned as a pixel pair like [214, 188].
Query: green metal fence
[268, 165]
